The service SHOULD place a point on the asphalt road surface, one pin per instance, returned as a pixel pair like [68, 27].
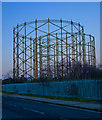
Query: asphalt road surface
[19, 108]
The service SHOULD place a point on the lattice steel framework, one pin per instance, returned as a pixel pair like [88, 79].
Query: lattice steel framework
[43, 47]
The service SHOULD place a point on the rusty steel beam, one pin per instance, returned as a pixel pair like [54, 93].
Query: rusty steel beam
[31, 55]
[25, 51]
[76, 49]
[79, 45]
[36, 49]
[94, 54]
[83, 40]
[17, 54]
[48, 51]
[23, 54]
[14, 53]
[67, 53]
[89, 53]
[90, 49]
[73, 43]
[34, 64]
[54, 64]
[61, 48]
[40, 58]
[57, 55]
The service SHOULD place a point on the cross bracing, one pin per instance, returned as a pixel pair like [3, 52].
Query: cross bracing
[48, 47]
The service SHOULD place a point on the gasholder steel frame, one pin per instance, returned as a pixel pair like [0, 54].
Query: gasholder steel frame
[50, 47]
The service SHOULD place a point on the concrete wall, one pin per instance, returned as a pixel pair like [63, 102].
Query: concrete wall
[88, 89]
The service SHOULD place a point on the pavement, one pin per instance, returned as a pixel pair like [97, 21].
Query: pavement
[81, 105]
[15, 106]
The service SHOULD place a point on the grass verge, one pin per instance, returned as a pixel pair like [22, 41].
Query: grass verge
[60, 98]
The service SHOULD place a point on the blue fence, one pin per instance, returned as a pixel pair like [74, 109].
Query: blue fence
[88, 89]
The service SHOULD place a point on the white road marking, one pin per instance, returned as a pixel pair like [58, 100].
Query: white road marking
[34, 111]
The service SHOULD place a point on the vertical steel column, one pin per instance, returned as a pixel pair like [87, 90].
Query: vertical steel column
[79, 45]
[76, 49]
[40, 58]
[36, 49]
[17, 54]
[34, 65]
[25, 51]
[83, 39]
[23, 54]
[54, 64]
[14, 53]
[31, 55]
[88, 53]
[61, 49]
[57, 51]
[67, 53]
[94, 52]
[73, 52]
[48, 53]
[90, 49]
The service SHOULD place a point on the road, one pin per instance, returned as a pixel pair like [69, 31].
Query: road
[19, 108]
